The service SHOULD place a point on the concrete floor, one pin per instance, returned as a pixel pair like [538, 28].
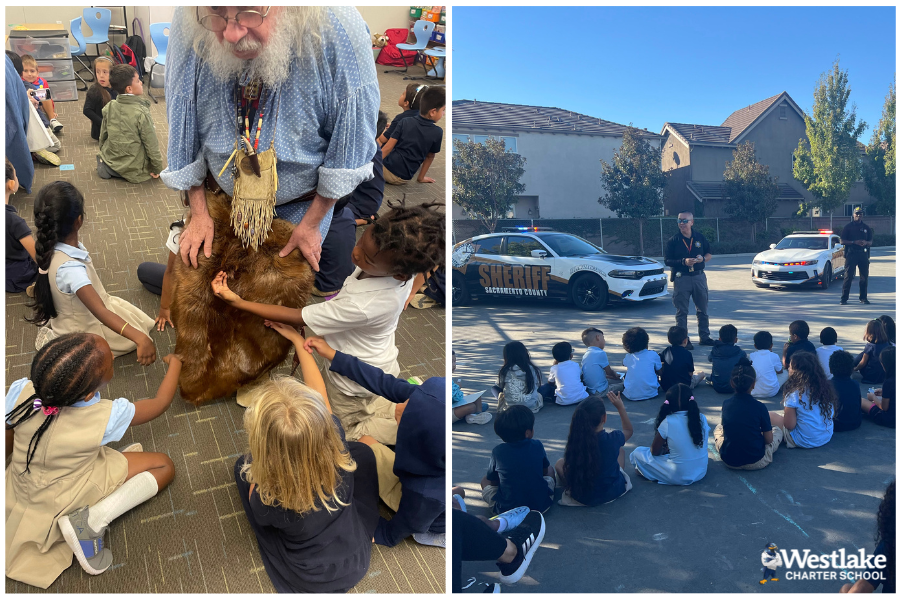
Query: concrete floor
[707, 537]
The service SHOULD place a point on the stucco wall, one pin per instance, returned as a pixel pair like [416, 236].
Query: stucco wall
[563, 171]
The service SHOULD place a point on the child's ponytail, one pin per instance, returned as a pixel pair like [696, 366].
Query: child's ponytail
[695, 425]
[678, 398]
[582, 457]
[63, 372]
[57, 206]
[743, 376]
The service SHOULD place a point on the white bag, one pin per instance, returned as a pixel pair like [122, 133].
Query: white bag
[36, 133]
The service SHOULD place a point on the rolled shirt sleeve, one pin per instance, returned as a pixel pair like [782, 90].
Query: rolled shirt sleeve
[186, 164]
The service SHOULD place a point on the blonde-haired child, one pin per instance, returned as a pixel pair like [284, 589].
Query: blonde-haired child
[99, 95]
[311, 498]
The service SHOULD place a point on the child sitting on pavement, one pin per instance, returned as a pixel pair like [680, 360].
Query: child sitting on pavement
[362, 319]
[828, 338]
[847, 414]
[868, 364]
[519, 379]
[128, 145]
[724, 356]
[770, 373]
[809, 403]
[879, 404]
[677, 362]
[641, 381]
[519, 473]
[798, 342]
[473, 412]
[592, 470]
[598, 376]
[564, 384]
[415, 141]
[746, 439]
[678, 454]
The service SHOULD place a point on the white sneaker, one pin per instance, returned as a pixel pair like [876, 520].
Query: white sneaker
[56, 125]
[461, 501]
[513, 518]
[479, 418]
[431, 539]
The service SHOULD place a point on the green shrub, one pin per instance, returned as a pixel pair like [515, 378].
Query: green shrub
[884, 240]
[709, 233]
[737, 247]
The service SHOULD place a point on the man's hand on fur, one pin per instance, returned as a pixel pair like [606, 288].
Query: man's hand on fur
[308, 240]
[198, 232]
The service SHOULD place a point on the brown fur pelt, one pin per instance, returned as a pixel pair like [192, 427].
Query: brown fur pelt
[223, 348]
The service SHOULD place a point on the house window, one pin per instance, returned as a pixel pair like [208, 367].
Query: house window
[480, 139]
[782, 112]
[462, 138]
[509, 142]
[848, 210]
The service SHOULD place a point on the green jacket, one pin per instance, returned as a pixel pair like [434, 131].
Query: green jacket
[128, 142]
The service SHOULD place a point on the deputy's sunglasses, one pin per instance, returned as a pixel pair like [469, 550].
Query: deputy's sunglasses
[683, 221]
[217, 23]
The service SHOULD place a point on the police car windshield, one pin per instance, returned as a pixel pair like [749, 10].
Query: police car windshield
[569, 245]
[810, 243]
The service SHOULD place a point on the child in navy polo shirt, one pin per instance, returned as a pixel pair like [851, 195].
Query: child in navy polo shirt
[799, 331]
[879, 405]
[415, 141]
[677, 362]
[847, 416]
[414, 486]
[409, 102]
[519, 473]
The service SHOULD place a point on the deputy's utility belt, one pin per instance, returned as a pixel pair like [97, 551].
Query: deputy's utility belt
[676, 274]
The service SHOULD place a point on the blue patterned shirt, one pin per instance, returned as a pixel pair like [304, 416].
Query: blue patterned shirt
[325, 134]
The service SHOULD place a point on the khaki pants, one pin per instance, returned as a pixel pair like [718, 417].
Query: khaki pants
[389, 488]
[360, 415]
[777, 435]
[393, 179]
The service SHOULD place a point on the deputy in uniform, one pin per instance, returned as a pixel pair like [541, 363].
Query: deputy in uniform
[687, 254]
[857, 239]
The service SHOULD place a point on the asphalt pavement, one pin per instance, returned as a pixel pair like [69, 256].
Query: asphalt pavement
[709, 536]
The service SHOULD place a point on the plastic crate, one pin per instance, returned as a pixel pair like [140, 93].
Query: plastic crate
[63, 91]
[434, 17]
[438, 37]
[56, 70]
[443, 20]
[415, 12]
[41, 48]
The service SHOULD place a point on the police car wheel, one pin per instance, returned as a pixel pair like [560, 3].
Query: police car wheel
[459, 293]
[826, 277]
[589, 292]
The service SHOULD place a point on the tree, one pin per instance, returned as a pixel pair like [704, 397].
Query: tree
[635, 181]
[880, 167]
[828, 163]
[486, 179]
[750, 194]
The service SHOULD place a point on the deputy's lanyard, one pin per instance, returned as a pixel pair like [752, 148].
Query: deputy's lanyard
[688, 245]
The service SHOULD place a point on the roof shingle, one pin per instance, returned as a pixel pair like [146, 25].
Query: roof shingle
[471, 114]
[739, 120]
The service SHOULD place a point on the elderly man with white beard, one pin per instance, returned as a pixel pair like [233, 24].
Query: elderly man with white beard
[275, 106]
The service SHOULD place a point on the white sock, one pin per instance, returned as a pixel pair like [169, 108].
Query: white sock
[133, 492]
[503, 524]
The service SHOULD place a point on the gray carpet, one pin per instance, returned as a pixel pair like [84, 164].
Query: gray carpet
[194, 537]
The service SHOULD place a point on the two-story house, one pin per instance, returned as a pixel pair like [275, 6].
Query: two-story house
[696, 155]
[562, 149]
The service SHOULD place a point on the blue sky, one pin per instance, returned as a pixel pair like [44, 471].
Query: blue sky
[655, 64]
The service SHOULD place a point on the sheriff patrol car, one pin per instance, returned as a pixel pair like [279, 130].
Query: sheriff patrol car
[802, 258]
[529, 262]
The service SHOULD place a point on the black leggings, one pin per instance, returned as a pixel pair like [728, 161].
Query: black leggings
[150, 275]
[473, 540]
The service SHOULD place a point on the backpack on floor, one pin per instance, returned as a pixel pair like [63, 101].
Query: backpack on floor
[136, 44]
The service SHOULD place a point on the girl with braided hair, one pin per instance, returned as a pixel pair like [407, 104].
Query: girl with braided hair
[68, 295]
[61, 471]
[361, 320]
[809, 404]
[678, 453]
[746, 439]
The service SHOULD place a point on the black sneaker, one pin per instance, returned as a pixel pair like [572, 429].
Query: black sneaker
[491, 588]
[526, 537]
[843, 302]
[864, 301]
[689, 346]
[707, 342]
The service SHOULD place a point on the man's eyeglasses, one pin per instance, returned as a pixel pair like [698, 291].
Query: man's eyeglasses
[683, 221]
[246, 18]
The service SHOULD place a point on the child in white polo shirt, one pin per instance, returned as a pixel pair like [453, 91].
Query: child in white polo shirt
[361, 320]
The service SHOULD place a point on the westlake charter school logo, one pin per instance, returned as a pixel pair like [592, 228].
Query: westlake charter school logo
[839, 565]
[514, 280]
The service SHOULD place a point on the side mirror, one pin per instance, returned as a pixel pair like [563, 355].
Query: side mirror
[771, 246]
[538, 254]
